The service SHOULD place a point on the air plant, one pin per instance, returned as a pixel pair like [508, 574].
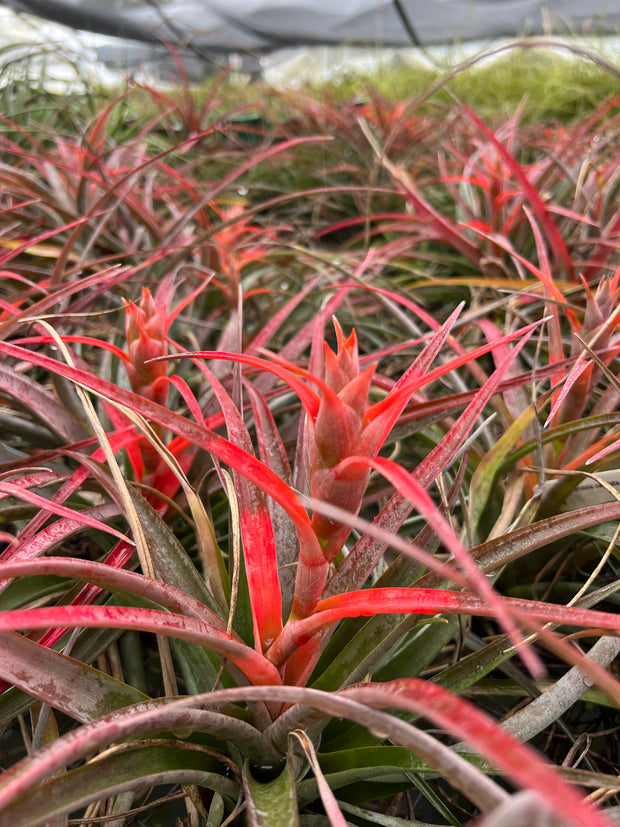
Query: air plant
[250, 560]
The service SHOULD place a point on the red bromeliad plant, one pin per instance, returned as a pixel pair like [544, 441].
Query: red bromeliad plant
[237, 244]
[340, 437]
[249, 561]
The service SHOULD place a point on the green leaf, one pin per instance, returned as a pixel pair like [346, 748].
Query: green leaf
[381, 759]
[370, 817]
[351, 654]
[271, 804]
[470, 669]
[418, 651]
[560, 434]
[144, 765]
[386, 768]
[172, 563]
[486, 472]
[20, 591]
[78, 690]
[197, 665]
[216, 812]
[350, 660]
[89, 645]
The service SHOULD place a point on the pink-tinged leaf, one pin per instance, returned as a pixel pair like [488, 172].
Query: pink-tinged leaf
[270, 444]
[381, 409]
[259, 553]
[10, 309]
[399, 395]
[80, 691]
[188, 397]
[361, 703]
[38, 477]
[397, 298]
[328, 799]
[518, 761]
[555, 337]
[388, 538]
[202, 437]
[168, 289]
[52, 507]
[613, 446]
[516, 398]
[538, 206]
[102, 344]
[582, 365]
[312, 562]
[108, 576]
[273, 454]
[133, 444]
[541, 248]
[149, 716]
[366, 602]
[50, 536]
[41, 402]
[577, 217]
[371, 602]
[544, 278]
[312, 571]
[285, 646]
[267, 331]
[259, 549]
[391, 219]
[426, 412]
[275, 366]
[300, 340]
[253, 665]
[410, 488]
[64, 292]
[425, 359]
[120, 556]
[364, 556]
[226, 180]
[30, 242]
[495, 553]
[443, 453]
[579, 377]
[595, 672]
[77, 479]
[442, 228]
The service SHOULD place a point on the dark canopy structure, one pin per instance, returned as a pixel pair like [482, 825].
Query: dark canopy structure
[205, 29]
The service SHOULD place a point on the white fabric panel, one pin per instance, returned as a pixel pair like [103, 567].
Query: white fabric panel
[222, 25]
[210, 30]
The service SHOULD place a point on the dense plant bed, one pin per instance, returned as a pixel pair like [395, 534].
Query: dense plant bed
[310, 435]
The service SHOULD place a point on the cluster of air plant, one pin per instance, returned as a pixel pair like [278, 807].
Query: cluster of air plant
[268, 507]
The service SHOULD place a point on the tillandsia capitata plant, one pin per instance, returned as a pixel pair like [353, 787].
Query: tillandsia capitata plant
[260, 523]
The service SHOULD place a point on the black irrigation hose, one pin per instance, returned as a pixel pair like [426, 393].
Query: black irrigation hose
[400, 11]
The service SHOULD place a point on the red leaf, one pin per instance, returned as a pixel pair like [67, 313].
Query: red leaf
[257, 669]
[551, 231]
[412, 489]
[462, 719]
